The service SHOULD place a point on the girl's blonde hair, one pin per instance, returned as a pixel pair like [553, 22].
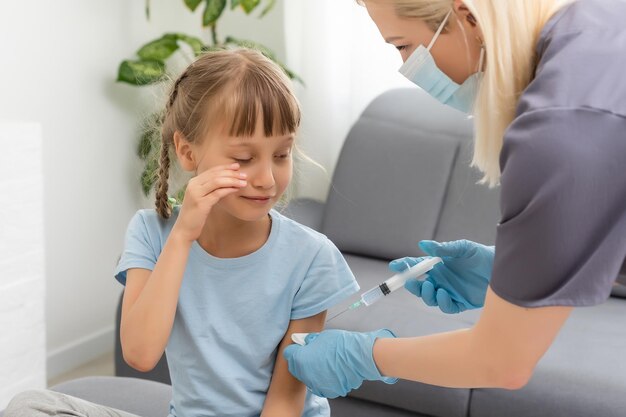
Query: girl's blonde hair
[227, 90]
[510, 31]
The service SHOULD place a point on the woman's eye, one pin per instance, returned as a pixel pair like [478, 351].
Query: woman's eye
[283, 156]
[401, 47]
[242, 161]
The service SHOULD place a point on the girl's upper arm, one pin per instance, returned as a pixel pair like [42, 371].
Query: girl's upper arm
[136, 279]
[286, 394]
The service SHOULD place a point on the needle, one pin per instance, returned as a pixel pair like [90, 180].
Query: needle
[351, 307]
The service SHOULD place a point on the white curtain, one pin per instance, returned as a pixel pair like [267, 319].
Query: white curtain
[337, 49]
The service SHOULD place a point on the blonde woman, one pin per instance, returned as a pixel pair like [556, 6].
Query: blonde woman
[545, 81]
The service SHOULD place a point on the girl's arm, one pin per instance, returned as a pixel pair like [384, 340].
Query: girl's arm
[286, 394]
[149, 305]
[151, 298]
[500, 351]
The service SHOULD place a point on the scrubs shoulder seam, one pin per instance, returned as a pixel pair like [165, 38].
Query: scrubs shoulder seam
[586, 109]
[559, 302]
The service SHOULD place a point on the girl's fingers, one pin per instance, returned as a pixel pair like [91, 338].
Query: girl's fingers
[222, 182]
[219, 170]
[220, 193]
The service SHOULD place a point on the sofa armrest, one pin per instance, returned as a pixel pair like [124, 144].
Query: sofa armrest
[306, 211]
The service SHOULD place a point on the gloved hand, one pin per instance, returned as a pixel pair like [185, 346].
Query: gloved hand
[460, 282]
[334, 362]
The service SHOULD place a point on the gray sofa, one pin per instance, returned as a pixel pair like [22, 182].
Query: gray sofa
[403, 175]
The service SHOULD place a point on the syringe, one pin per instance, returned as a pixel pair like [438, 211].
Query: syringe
[390, 285]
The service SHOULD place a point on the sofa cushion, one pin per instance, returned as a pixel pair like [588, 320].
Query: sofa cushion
[352, 407]
[583, 373]
[136, 396]
[392, 174]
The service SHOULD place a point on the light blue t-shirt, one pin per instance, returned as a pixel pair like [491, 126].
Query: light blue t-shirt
[233, 313]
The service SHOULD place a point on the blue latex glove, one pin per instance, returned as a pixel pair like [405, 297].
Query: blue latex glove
[334, 362]
[460, 282]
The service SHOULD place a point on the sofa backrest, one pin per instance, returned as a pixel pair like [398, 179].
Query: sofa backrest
[403, 175]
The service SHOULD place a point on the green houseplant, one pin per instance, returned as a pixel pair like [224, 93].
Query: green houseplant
[151, 67]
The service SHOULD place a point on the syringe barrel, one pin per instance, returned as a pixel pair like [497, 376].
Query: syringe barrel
[397, 281]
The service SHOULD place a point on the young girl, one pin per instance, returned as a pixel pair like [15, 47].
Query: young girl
[221, 282]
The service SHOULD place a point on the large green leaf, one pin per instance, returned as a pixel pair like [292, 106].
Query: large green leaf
[159, 49]
[141, 72]
[195, 43]
[213, 11]
[192, 4]
[249, 5]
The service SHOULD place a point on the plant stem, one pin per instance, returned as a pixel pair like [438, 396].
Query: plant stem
[214, 34]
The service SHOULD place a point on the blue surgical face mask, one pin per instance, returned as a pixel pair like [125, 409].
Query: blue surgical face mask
[421, 69]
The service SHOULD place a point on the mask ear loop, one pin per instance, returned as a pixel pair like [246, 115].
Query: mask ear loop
[439, 30]
[481, 60]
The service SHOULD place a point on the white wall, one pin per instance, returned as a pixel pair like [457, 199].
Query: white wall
[58, 69]
[338, 51]
[22, 324]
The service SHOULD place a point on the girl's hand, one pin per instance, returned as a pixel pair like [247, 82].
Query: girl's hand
[202, 193]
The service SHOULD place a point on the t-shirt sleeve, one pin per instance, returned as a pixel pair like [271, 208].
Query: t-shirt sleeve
[562, 235]
[138, 250]
[328, 281]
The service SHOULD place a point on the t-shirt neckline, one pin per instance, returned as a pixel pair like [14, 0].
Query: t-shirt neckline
[225, 263]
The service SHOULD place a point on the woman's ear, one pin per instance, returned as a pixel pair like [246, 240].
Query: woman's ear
[464, 13]
[184, 152]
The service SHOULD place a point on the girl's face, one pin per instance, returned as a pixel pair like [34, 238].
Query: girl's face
[267, 161]
[456, 51]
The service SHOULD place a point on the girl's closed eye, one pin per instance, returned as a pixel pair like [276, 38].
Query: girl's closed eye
[401, 47]
[284, 155]
[242, 160]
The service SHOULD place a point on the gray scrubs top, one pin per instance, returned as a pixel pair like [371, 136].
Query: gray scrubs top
[562, 235]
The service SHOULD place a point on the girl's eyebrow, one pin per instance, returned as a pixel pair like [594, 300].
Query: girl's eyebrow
[393, 38]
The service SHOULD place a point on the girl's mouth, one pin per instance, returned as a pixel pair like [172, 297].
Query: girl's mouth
[258, 199]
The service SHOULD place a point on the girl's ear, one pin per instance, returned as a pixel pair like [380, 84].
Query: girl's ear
[184, 152]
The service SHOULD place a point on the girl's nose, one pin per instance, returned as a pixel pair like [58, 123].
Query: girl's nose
[263, 177]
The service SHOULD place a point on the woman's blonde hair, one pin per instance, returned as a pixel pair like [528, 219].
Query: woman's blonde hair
[233, 86]
[510, 31]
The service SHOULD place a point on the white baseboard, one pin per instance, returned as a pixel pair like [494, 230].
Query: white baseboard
[80, 351]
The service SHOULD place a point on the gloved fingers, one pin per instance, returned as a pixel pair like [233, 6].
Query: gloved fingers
[428, 293]
[402, 264]
[453, 249]
[310, 337]
[446, 303]
[289, 352]
[414, 286]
